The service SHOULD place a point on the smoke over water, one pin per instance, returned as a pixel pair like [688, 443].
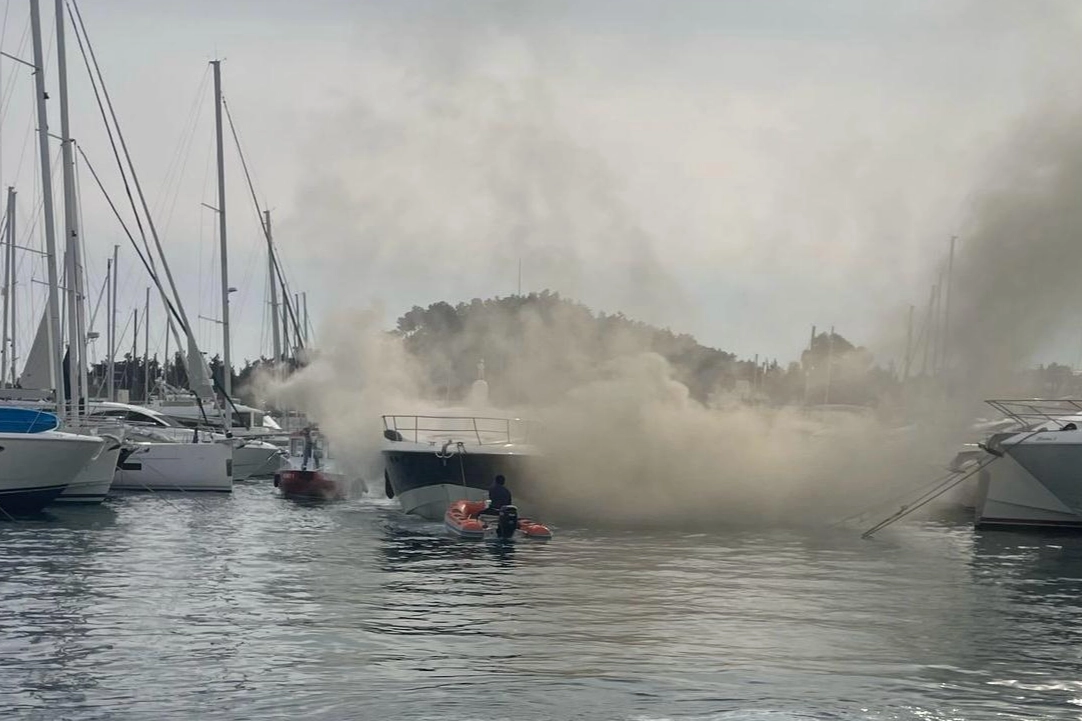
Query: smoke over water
[347, 384]
[624, 442]
[806, 179]
[1017, 279]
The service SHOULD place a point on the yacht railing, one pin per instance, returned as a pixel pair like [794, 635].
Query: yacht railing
[1032, 412]
[485, 430]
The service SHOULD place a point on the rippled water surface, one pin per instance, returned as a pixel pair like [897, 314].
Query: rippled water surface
[253, 607]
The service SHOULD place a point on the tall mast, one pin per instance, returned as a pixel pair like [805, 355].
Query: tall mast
[273, 289]
[227, 370]
[928, 329]
[111, 365]
[285, 323]
[947, 306]
[9, 215]
[146, 350]
[53, 309]
[12, 282]
[297, 320]
[304, 300]
[73, 253]
[165, 356]
[130, 365]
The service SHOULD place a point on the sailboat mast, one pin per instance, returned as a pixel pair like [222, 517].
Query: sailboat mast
[73, 253]
[165, 356]
[227, 370]
[7, 283]
[297, 320]
[285, 322]
[947, 306]
[304, 299]
[273, 289]
[146, 350]
[12, 281]
[129, 367]
[53, 310]
[111, 365]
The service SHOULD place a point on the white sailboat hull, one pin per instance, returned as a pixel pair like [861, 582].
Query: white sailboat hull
[93, 482]
[35, 468]
[176, 467]
[255, 459]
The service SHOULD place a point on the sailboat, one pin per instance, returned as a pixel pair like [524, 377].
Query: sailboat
[38, 462]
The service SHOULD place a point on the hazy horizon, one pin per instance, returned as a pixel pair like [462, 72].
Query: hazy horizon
[736, 172]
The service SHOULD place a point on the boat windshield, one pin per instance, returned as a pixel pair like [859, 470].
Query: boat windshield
[136, 416]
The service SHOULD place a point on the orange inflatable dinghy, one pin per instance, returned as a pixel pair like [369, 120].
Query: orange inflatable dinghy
[463, 518]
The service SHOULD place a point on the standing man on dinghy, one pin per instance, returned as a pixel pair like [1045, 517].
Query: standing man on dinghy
[498, 496]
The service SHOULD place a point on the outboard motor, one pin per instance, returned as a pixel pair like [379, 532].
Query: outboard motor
[507, 523]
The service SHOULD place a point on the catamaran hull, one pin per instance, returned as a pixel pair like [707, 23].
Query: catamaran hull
[425, 483]
[176, 467]
[35, 468]
[96, 478]
[1037, 483]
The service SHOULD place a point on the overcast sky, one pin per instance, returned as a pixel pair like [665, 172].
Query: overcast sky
[735, 170]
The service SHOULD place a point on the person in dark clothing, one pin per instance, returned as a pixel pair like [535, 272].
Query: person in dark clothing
[309, 448]
[498, 496]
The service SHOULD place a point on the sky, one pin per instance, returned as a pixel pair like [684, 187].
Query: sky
[739, 171]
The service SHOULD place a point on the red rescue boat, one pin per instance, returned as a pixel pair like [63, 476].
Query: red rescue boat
[462, 519]
[311, 485]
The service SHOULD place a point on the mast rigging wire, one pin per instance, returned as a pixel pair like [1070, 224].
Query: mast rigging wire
[263, 225]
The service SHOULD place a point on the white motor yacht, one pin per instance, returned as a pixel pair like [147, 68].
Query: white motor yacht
[1036, 479]
[431, 461]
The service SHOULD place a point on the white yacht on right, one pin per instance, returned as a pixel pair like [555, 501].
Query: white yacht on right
[1036, 479]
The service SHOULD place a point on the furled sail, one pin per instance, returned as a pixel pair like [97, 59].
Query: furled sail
[198, 373]
[38, 372]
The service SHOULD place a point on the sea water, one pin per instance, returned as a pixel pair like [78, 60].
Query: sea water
[248, 606]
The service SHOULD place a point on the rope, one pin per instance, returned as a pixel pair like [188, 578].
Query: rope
[461, 463]
[929, 496]
[266, 233]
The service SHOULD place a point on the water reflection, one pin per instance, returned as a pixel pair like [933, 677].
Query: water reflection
[251, 606]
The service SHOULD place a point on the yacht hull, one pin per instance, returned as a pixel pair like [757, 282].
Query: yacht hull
[1037, 483]
[35, 468]
[175, 467]
[96, 478]
[256, 460]
[426, 482]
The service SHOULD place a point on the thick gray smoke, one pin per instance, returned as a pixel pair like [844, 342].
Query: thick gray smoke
[346, 386]
[623, 440]
[631, 447]
[808, 180]
[1016, 282]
